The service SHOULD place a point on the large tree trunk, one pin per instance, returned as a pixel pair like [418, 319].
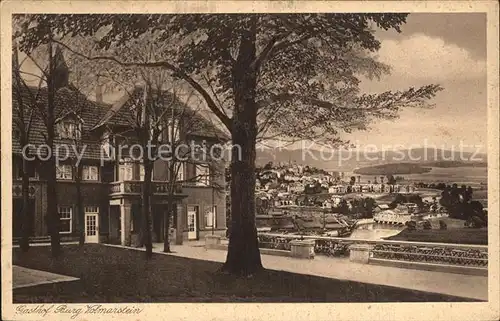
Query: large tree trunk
[79, 206]
[243, 256]
[26, 222]
[168, 214]
[146, 208]
[52, 215]
[170, 206]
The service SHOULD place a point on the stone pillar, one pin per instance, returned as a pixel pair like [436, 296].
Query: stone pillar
[126, 217]
[113, 224]
[359, 253]
[212, 241]
[303, 249]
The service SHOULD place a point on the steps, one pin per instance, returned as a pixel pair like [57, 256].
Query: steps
[44, 239]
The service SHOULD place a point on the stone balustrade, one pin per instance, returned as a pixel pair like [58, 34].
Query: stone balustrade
[367, 251]
[135, 188]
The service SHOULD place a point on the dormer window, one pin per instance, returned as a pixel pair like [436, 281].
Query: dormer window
[69, 127]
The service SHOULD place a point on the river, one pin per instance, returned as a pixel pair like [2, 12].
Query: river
[373, 231]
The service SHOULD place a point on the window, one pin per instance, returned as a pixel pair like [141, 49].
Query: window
[125, 172]
[180, 172]
[69, 129]
[202, 175]
[107, 146]
[91, 209]
[172, 125]
[211, 217]
[18, 170]
[65, 216]
[90, 173]
[142, 173]
[64, 172]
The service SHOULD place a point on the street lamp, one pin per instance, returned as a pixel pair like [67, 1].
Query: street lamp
[213, 212]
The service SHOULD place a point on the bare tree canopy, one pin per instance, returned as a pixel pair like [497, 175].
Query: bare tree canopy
[293, 76]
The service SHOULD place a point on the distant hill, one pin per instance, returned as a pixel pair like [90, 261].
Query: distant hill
[389, 169]
[447, 164]
[348, 160]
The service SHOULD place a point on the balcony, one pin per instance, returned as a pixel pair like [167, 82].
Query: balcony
[134, 188]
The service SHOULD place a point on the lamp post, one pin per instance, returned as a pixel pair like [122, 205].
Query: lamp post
[213, 212]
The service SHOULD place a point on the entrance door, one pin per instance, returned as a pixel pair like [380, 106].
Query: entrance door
[191, 220]
[91, 227]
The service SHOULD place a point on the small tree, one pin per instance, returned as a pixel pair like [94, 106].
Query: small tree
[25, 100]
[46, 60]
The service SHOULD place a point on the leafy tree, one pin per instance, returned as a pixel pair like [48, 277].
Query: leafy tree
[260, 75]
[391, 180]
[268, 166]
[411, 225]
[363, 207]
[343, 207]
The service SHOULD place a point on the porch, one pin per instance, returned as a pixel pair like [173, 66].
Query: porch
[125, 212]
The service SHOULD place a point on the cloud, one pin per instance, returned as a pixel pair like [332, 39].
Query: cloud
[424, 57]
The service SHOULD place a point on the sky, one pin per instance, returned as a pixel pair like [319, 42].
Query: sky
[437, 48]
[448, 49]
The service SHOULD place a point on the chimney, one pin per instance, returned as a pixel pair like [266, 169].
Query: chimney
[98, 91]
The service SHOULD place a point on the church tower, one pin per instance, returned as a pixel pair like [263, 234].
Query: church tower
[61, 70]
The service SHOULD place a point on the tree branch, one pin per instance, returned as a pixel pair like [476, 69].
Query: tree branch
[163, 64]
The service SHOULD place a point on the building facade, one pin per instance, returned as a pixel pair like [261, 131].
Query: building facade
[110, 187]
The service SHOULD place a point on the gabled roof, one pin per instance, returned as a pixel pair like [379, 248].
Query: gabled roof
[67, 100]
[120, 114]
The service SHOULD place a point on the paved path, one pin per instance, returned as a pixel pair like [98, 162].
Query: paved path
[23, 277]
[469, 286]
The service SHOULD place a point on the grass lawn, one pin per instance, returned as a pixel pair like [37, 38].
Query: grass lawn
[110, 274]
[460, 236]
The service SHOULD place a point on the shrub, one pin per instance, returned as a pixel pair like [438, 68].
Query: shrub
[442, 225]
[476, 222]
[427, 225]
[411, 225]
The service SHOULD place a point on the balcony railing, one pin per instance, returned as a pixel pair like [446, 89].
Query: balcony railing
[135, 188]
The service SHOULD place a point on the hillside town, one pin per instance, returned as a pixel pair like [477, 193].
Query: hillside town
[295, 198]
[288, 184]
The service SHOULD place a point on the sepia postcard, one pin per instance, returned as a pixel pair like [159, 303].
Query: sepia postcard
[250, 160]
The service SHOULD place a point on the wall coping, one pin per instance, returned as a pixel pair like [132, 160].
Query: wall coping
[213, 236]
[302, 243]
[348, 240]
